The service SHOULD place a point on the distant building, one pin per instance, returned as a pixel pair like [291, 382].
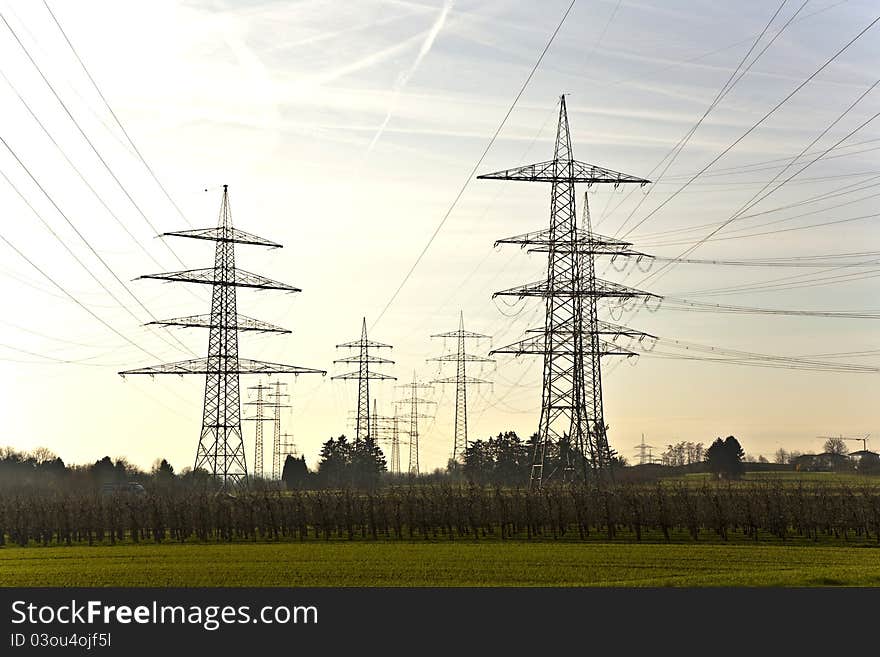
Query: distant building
[824, 462]
[865, 459]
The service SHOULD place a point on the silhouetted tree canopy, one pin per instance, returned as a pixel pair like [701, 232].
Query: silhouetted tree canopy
[295, 473]
[344, 463]
[725, 458]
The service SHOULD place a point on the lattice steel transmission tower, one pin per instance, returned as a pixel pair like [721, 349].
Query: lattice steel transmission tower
[260, 404]
[286, 447]
[276, 398]
[573, 339]
[221, 449]
[386, 428]
[644, 452]
[363, 375]
[413, 417]
[461, 380]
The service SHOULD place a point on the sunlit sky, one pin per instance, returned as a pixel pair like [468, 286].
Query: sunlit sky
[346, 129]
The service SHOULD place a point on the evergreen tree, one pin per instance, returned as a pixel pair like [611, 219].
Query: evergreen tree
[295, 473]
[725, 458]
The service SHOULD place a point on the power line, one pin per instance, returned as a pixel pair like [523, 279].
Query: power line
[81, 237]
[67, 294]
[115, 118]
[475, 167]
[728, 85]
[77, 171]
[87, 139]
[757, 124]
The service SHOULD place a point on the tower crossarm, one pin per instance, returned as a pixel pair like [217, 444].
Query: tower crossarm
[592, 248]
[460, 334]
[466, 379]
[224, 234]
[537, 345]
[368, 375]
[602, 289]
[208, 365]
[240, 278]
[357, 344]
[564, 171]
[241, 323]
[468, 358]
[603, 328]
[363, 359]
[544, 238]
[409, 400]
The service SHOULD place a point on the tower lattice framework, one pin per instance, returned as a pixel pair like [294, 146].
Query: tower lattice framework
[276, 399]
[260, 403]
[220, 449]
[413, 417]
[364, 374]
[461, 380]
[573, 340]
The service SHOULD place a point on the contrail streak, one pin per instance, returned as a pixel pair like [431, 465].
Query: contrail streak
[404, 77]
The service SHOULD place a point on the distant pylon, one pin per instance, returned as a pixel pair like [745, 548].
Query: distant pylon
[221, 448]
[414, 416]
[287, 447]
[395, 445]
[363, 376]
[461, 380]
[260, 417]
[571, 340]
[385, 429]
[644, 451]
[276, 397]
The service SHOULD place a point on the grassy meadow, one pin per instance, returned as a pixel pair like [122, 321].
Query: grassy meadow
[459, 563]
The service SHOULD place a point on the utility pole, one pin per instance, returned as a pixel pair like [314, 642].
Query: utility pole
[364, 374]
[221, 448]
[572, 340]
[461, 380]
[414, 416]
[260, 404]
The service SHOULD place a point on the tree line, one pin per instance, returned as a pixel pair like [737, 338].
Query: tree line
[662, 512]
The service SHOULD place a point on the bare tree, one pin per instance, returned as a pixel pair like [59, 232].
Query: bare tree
[781, 456]
[835, 446]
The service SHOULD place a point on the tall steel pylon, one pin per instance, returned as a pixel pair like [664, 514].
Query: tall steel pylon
[387, 429]
[573, 339]
[644, 451]
[413, 417]
[461, 380]
[286, 447]
[260, 403]
[364, 374]
[221, 448]
[276, 398]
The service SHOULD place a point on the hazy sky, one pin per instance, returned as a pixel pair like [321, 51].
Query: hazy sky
[345, 130]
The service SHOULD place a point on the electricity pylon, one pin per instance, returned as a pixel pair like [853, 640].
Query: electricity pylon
[286, 447]
[461, 380]
[572, 340]
[414, 416]
[260, 404]
[276, 397]
[644, 451]
[386, 428]
[363, 376]
[221, 449]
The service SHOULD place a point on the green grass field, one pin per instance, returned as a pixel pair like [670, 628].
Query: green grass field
[487, 563]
